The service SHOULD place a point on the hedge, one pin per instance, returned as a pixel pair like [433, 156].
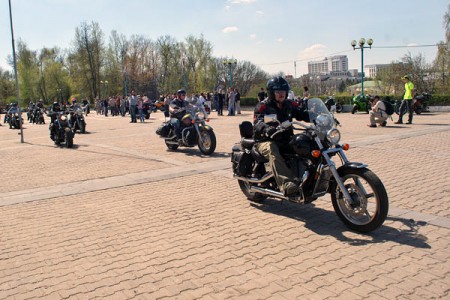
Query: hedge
[436, 100]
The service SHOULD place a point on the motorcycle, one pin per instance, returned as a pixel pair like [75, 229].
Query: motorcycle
[361, 103]
[14, 119]
[358, 196]
[77, 120]
[38, 116]
[420, 103]
[194, 132]
[61, 131]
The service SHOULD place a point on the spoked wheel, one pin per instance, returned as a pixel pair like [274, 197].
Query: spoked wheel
[207, 143]
[370, 201]
[245, 188]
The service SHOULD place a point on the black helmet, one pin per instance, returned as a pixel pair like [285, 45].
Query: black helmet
[277, 84]
[181, 92]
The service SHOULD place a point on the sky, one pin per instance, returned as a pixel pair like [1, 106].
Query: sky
[272, 34]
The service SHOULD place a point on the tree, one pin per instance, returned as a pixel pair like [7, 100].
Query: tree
[28, 72]
[87, 58]
[441, 64]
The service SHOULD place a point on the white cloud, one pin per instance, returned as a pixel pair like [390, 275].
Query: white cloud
[279, 40]
[241, 1]
[253, 36]
[230, 29]
[314, 52]
[259, 12]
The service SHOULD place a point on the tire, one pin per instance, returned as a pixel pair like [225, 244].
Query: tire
[69, 139]
[418, 110]
[355, 108]
[209, 141]
[255, 197]
[83, 127]
[338, 108]
[355, 217]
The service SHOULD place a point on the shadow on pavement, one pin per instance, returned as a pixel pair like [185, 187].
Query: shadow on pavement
[325, 222]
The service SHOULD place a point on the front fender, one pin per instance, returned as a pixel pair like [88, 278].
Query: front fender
[352, 165]
[206, 127]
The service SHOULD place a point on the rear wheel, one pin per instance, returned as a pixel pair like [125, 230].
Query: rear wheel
[245, 188]
[370, 201]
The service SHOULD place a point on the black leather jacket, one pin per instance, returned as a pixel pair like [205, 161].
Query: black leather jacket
[177, 103]
[288, 111]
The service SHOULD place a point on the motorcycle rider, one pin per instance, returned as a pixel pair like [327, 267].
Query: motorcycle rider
[176, 110]
[53, 115]
[276, 103]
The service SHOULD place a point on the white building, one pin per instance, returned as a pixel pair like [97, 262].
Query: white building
[333, 65]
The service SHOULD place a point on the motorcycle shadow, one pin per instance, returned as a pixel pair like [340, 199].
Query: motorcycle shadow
[195, 152]
[325, 222]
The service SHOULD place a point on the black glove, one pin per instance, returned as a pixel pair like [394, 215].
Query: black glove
[269, 131]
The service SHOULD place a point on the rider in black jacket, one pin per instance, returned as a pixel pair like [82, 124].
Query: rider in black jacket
[176, 110]
[277, 104]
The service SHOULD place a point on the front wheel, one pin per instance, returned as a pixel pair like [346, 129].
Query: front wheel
[69, 139]
[82, 127]
[370, 201]
[207, 141]
[338, 108]
[355, 109]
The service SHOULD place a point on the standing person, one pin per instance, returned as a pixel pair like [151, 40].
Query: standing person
[123, 107]
[133, 103]
[238, 101]
[378, 113]
[221, 100]
[407, 101]
[105, 107]
[306, 93]
[140, 104]
[231, 102]
[261, 95]
[216, 101]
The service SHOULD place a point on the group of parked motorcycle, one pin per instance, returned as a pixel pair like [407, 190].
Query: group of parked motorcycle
[419, 105]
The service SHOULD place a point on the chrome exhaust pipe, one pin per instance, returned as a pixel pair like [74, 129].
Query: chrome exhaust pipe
[260, 190]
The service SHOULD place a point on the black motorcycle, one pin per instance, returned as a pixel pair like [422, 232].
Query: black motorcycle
[358, 196]
[13, 119]
[61, 131]
[77, 120]
[420, 103]
[194, 131]
[38, 116]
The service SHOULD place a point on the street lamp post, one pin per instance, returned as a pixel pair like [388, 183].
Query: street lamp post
[361, 43]
[59, 94]
[230, 63]
[104, 84]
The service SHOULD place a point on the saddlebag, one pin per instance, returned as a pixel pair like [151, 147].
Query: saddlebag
[242, 161]
[164, 129]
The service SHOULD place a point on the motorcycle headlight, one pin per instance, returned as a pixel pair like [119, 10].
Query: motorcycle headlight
[16, 114]
[200, 116]
[79, 112]
[334, 136]
[63, 118]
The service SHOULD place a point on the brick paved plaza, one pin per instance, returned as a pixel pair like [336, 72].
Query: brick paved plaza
[121, 217]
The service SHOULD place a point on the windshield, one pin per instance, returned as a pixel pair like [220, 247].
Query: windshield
[319, 114]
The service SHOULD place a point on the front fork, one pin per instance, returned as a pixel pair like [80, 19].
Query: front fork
[335, 173]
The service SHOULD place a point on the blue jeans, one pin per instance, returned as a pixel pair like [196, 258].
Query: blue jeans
[408, 104]
[133, 113]
[141, 115]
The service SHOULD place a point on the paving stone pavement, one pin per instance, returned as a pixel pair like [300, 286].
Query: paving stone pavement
[121, 217]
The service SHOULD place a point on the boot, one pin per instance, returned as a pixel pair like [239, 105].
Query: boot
[399, 122]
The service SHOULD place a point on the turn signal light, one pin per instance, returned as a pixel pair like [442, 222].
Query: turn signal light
[207, 120]
[345, 147]
[315, 153]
